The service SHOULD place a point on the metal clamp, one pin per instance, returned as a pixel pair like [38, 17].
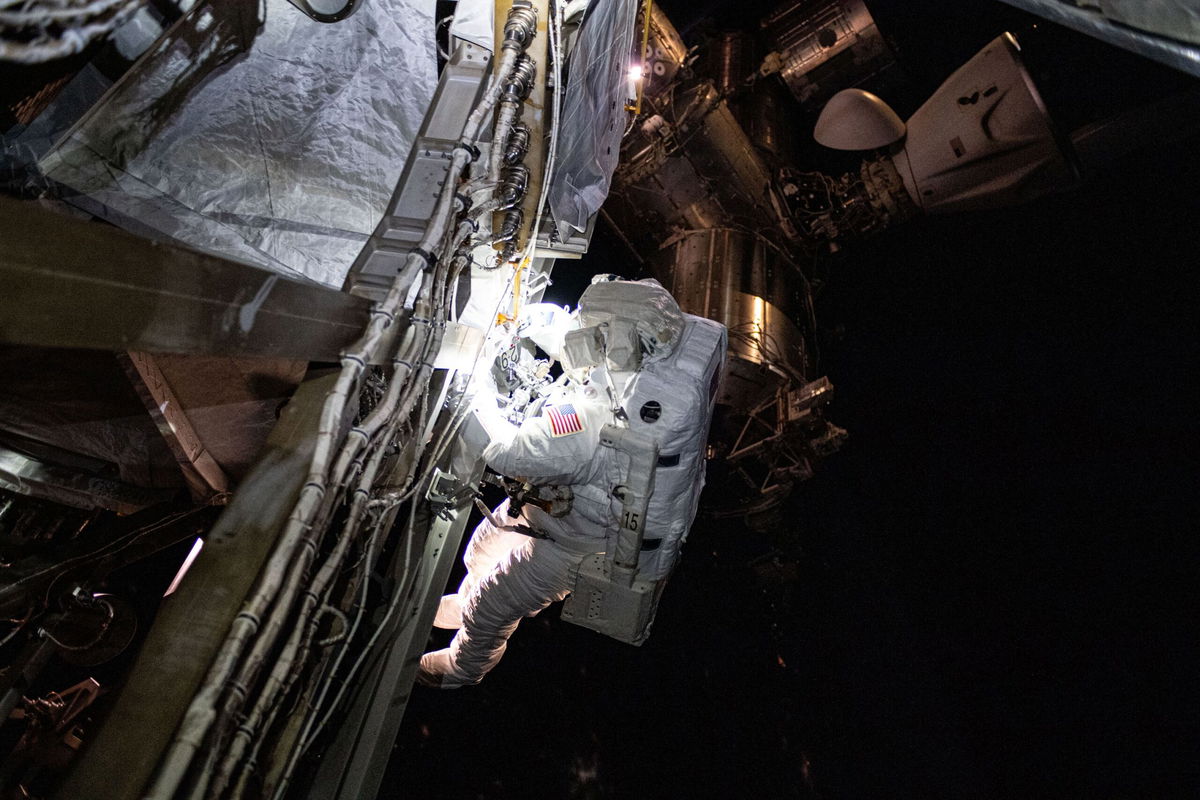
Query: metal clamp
[446, 493]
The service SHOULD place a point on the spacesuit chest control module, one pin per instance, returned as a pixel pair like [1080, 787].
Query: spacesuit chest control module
[603, 467]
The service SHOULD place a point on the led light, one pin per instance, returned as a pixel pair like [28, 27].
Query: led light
[187, 563]
[636, 72]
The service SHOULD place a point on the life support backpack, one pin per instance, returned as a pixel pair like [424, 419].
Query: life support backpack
[671, 401]
[669, 406]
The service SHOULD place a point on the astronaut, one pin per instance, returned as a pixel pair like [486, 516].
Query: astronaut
[526, 553]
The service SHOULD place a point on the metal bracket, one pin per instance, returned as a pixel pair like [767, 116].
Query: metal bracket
[446, 493]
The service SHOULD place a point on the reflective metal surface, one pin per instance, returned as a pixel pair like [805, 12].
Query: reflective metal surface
[747, 284]
[70, 283]
[824, 46]
[259, 134]
[1173, 53]
[665, 53]
[717, 180]
[731, 60]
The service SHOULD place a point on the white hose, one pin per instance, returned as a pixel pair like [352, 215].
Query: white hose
[202, 711]
[302, 634]
[556, 55]
[281, 613]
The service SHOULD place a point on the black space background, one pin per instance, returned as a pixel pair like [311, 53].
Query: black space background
[988, 593]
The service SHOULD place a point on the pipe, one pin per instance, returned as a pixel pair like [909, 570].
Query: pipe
[294, 650]
[202, 712]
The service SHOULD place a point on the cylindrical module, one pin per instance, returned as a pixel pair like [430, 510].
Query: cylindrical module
[731, 60]
[695, 199]
[745, 283]
[664, 55]
[824, 45]
[766, 121]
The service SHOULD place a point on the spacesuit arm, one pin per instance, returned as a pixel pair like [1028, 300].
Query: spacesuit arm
[499, 430]
[536, 454]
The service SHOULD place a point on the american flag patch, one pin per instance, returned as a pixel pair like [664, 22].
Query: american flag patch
[563, 420]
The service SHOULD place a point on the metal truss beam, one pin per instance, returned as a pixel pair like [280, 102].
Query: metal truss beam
[354, 764]
[192, 623]
[1173, 53]
[72, 283]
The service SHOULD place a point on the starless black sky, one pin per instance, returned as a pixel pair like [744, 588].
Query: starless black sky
[987, 594]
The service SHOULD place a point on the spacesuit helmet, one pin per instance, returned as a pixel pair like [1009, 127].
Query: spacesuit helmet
[627, 321]
[546, 325]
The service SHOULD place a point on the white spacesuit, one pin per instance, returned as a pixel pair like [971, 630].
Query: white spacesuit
[657, 372]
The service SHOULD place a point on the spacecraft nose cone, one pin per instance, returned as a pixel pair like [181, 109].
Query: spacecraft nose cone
[857, 120]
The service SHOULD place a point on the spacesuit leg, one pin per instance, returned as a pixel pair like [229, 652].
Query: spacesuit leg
[530, 578]
[486, 548]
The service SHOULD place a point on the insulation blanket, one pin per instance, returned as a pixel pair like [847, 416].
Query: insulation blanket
[593, 117]
[256, 133]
